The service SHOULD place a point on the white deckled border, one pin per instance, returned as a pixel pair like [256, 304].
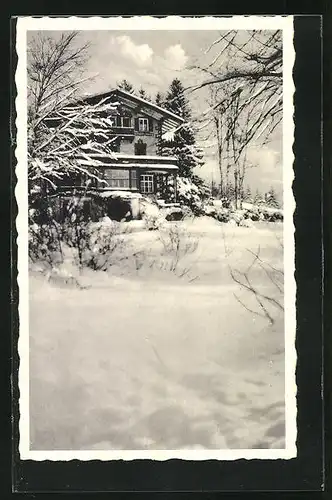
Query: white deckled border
[171, 23]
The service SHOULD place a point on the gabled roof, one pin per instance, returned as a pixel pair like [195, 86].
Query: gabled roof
[134, 98]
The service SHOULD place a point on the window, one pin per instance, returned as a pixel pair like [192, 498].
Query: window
[117, 178]
[122, 121]
[126, 121]
[147, 183]
[143, 124]
[133, 179]
[140, 147]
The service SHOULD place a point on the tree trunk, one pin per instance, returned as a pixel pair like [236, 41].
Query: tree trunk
[236, 193]
[218, 122]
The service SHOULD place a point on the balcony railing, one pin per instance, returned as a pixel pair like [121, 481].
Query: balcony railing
[122, 131]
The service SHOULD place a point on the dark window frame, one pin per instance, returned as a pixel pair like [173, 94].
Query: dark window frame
[140, 148]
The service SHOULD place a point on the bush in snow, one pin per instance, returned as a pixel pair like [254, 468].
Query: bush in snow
[119, 208]
[252, 213]
[246, 223]
[45, 243]
[237, 216]
[177, 243]
[191, 195]
[272, 215]
[210, 210]
[89, 244]
[222, 215]
[45, 236]
[177, 213]
[151, 214]
[101, 244]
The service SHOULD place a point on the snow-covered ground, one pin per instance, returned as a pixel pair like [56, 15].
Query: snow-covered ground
[144, 358]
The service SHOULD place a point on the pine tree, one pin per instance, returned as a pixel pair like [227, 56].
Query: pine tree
[272, 199]
[142, 93]
[247, 196]
[183, 143]
[159, 99]
[257, 198]
[126, 86]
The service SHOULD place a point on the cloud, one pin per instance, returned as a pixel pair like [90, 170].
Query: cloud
[264, 157]
[141, 55]
[150, 77]
[175, 57]
[150, 64]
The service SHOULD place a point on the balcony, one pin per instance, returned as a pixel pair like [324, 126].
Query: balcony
[122, 131]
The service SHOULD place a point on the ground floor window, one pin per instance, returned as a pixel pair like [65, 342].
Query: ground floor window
[117, 178]
[147, 183]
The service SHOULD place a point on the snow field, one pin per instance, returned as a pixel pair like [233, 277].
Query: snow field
[144, 359]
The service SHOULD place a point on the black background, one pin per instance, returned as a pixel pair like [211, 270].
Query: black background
[305, 473]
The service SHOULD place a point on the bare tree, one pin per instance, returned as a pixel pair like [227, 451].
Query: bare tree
[218, 131]
[268, 305]
[253, 61]
[55, 73]
[245, 78]
[69, 144]
[64, 133]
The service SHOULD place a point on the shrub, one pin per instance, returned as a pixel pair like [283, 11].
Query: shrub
[153, 222]
[94, 243]
[177, 243]
[103, 243]
[223, 215]
[89, 244]
[151, 214]
[45, 243]
[44, 237]
[190, 195]
[177, 213]
[210, 210]
[119, 209]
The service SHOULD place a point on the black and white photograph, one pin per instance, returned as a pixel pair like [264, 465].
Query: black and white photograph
[155, 238]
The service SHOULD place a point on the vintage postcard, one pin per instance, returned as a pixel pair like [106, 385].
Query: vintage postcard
[155, 238]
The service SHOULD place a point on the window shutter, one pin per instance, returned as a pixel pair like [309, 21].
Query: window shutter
[118, 121]
[150, 125]
[136, 123]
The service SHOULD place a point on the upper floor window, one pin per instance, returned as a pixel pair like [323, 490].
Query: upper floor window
[126, 121]
[123, 121]
[143, 124]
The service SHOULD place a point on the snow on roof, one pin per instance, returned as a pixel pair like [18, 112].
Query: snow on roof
[120, 194]
[145, 157]
[147, 166]
[137, 98]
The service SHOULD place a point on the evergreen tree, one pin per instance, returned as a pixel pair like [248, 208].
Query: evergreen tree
[229, 192]
[257, 198]
[159, 99]
[182, 143]
[271, 198]
[215, 190]
[142, 93]
[247, 195]
[126, 86]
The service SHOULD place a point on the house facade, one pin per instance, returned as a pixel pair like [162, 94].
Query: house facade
[137, 163]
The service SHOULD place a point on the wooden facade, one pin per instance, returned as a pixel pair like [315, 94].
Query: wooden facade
[137, 163]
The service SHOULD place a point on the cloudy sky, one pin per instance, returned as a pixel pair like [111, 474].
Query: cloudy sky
[151, 59]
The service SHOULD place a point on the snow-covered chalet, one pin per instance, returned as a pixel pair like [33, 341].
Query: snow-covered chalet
[137, 164]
